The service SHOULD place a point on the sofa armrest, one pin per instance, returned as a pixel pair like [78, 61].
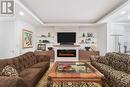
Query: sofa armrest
[41, 58]
[119, 79]
[12, 82]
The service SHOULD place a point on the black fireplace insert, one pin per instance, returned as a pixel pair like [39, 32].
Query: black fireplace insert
[66, 53]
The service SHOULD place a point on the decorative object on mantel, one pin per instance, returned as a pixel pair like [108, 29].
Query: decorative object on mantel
[83, 35]
[27, 39]
[50, 48]
[90, 34]
[46, 41]
[40, 41]
[93, 46]
[43, 35]
[49, 34]
[87, 48]
[82, 41]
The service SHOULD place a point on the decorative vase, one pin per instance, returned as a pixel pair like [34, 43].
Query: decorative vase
[83, 35]
[49, 34]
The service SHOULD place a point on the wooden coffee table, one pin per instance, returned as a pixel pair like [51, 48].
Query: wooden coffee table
[74, 72]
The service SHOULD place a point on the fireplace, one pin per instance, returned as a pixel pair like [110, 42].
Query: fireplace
[66, 53]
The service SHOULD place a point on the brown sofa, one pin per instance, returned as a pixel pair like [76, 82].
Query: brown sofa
[115, 67]
[30, 66]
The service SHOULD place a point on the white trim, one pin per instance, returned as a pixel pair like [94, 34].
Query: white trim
[113, 13]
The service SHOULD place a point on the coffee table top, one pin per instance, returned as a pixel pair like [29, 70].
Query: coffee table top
[74, 70]
[73, 67]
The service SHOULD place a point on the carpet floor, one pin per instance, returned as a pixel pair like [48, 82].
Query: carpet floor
[44, 83]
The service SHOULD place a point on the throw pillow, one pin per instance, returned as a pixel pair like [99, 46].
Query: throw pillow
[9, 71]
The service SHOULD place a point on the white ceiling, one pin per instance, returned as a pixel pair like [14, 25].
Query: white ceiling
[71, 11]
[123, 18]
[120, 15]
[27, 17]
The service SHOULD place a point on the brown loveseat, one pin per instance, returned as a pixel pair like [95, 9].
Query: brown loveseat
[115, 67]
[30, 67]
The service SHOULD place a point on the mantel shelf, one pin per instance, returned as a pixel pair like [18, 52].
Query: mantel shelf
[66, 45]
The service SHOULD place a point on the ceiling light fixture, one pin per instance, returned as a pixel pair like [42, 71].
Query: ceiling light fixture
[129, 17]
[21, 13]
[123, 12]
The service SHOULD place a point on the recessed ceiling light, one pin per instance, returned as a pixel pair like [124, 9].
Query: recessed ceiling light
[123, 12]
[128, 16]
[21, 13]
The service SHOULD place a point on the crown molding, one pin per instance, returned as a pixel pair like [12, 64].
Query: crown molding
[30, 12]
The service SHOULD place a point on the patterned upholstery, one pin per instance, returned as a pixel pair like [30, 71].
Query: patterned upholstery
[9, 71]
[115, 67]
[103, 60]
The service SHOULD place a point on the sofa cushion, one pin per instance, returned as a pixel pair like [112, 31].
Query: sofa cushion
[40, 65]
[119, 61]
[17, 64]
[3, 63]
[11, 82]
[126, 58]
[30, 58]
[31, 76]
[103, 60]
[41, 58]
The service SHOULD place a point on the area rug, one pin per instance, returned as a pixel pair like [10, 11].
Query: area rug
[44, 82]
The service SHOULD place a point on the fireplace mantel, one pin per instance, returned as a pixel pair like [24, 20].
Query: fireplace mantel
[67, 47]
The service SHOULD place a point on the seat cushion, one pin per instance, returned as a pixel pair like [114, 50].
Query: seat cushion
[43, 65]
[40, 65]
[31, 76]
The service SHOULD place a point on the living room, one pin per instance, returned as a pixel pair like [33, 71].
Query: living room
[50, 35]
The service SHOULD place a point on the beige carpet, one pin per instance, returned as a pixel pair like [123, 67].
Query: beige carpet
[44, 81]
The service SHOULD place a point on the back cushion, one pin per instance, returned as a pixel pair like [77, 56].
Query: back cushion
[30, 58]
[103, 60]
[3, 63]
[9, 62]
[126, 59]
[19, 63]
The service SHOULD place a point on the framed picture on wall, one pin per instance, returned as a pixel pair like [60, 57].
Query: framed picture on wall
[41, 47]
[27, 39]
